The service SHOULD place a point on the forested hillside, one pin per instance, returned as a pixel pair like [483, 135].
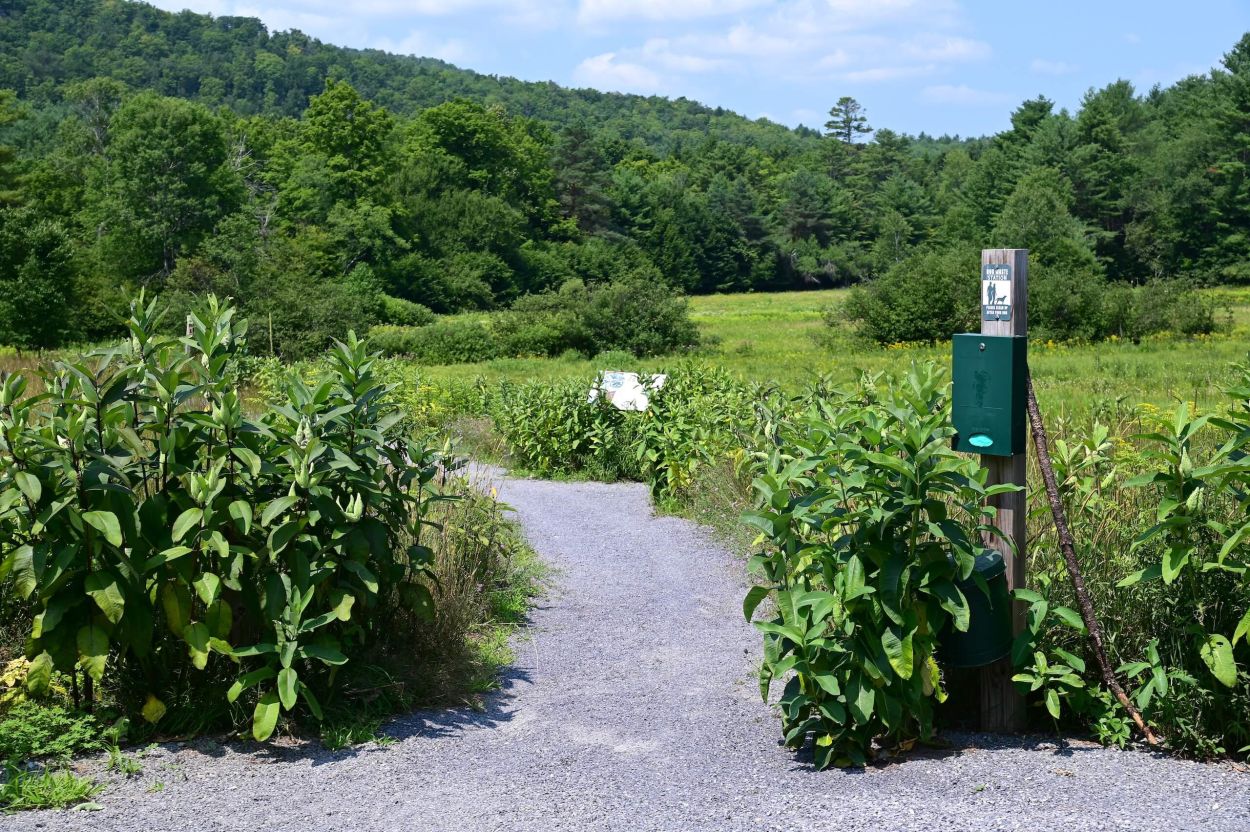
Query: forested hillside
[326, 188]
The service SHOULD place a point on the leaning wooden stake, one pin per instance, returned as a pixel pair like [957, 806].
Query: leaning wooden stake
[1074, 570]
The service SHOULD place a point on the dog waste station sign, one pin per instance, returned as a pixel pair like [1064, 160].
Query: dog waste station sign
[996, 291]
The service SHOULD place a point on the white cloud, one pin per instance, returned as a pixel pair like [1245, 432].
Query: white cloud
[606, 72]
[420, 44]
[964, 95]
[601, 11]
[934, 47]
[794, 41]
[886, 73]
[660, 51]
[1044, 67]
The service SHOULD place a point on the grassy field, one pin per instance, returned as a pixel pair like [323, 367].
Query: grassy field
[782, 338]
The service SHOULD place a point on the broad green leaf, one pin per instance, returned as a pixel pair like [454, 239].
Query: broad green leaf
[1243, 627]
[108, 596]
[828, 682]
[247, 681]
[1028, 596]
[220, 619]
[417, 598]
[39, 675]
[313, 705]
[1075, 662]
[93, 650]
[899, 652]
[343, 603]
[280, 536]
[755, 595]
[325, 653]
[241, 512]
[265, 717]
[21, 568]
[953, 601]
[1070, 617]
[1150, 573]
[208, 587]
[277, 507]
[186, 521]
[362, 572]
[1174, 560]
[29, 485]
[196, 636]
[176, 601]
[1217, 653]
[153, 709]
[1052, 702]
[168, 556]
[262, 649]
[250, 459]
[106, 523]
[288, 680]
[860, 698]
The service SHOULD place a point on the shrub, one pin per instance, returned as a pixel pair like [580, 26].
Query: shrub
[640, 317]
[869, 519]
[556, 430]
[643, 318]
[1165, 553]
[161, 534]
[932, 295]
[400, 312]
[927, 297]
[34, 729]
[447, 341]
[1067, 305]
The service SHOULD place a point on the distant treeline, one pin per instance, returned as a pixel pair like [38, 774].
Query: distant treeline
[316, 184]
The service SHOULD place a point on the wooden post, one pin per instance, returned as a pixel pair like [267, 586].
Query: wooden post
[1001, 708]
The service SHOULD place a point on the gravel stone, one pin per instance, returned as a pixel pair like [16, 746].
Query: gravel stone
[633, 706]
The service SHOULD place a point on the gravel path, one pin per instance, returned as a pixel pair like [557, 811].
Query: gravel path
[634, 707]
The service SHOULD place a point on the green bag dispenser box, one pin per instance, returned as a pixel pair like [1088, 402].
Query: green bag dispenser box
[988, 401]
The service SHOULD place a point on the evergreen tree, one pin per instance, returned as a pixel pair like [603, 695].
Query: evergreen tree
[9, 113]
[847, 121]
[36, 281]
[581, 179]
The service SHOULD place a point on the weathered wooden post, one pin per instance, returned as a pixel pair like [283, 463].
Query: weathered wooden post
[1005, 311]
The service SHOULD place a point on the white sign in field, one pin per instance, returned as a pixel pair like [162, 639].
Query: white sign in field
[626, 391]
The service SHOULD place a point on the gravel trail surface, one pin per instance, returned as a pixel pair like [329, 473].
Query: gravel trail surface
[633, 706]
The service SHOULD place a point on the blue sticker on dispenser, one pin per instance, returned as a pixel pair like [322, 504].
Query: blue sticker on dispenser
[980, 440]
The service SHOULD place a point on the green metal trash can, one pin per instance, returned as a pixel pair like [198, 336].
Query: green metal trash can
[989, 634]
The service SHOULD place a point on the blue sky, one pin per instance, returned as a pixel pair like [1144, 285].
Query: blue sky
[941, 66]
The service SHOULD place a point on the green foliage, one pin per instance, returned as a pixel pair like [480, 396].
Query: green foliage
[868, 520]
[31, 730]
[558, 430]
[633, 315]
[629, 316]
[206, 158]
[36, 281]
[159, 531]
[931, 295]
[927, 297]
[47, 789]
[400, 312]
[446, 341]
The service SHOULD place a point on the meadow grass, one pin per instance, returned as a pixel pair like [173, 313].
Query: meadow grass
[781, 338]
